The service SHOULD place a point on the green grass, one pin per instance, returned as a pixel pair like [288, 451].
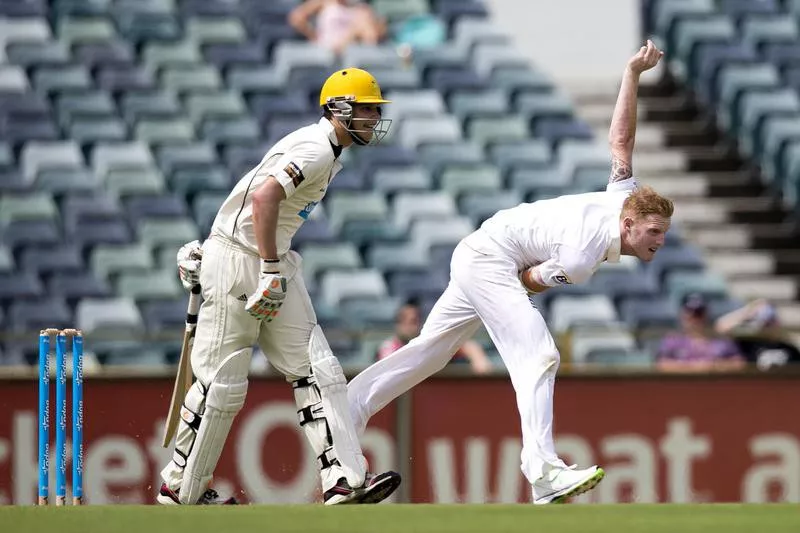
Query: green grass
[406, 519]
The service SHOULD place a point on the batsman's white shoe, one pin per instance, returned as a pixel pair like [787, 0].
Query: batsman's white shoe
[375, 489]
[167, 496]
[560, 484]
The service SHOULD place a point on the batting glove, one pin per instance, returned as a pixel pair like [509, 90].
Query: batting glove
[268, 298]
[189, 257]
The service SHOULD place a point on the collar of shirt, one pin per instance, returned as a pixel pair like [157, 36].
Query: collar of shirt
[614, 251]
[330, 131]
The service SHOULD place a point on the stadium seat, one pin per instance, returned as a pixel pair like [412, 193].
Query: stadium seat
[161, 315]
[171, 232]
[360, 283]
[205, 206]
[33, 315]
[7, 263]
[148, 285]
[408, 207]
[174, 156]
[136, 105]
[27, 206]
[162, 206]
[77, 285]
[19, 286]
[389, 257]
[40, 155]
[569, 311]
[457, 179]
[95, 313]
[64, 257]
[679, 284]
[318, 258]
[347, 207]
[649, 312]
[469, 103]
[400, 178]
[109, 260]
[13, 79]
[479, 206]
[43, 232]
[502, 128]
[202, 105]
[584, 343]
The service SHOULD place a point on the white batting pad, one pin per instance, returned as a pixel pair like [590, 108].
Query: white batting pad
[333, 389]
[224, 398]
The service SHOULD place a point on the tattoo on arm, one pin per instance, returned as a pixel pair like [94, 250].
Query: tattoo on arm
[620, 170]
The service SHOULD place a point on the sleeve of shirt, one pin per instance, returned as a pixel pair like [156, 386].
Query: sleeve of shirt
[566, 267]
[297, 167]
[628, 185]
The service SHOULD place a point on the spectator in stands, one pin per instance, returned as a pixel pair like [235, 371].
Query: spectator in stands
[758, 333]
[335, 24]
[408, 324]
[697, 348]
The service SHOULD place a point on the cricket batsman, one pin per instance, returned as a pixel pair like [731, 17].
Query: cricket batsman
[527, 250]
[253, 292]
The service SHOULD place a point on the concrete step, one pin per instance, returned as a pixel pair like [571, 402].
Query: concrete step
[740, 262]
[774, 289]
[711, 238]
[662, 161]
[676, 188]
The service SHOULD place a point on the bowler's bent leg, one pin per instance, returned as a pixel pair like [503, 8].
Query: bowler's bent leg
[520, 334]
[451, 322]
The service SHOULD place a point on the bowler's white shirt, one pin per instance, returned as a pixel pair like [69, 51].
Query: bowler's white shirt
[567, 237]
[303, 162]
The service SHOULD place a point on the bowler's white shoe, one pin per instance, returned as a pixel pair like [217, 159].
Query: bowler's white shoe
[560, 484]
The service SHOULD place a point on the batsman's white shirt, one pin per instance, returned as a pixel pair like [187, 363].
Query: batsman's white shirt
[568, 237]
[304, 162]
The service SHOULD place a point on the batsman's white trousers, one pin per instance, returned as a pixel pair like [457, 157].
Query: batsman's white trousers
[229, 276]
[483, 288]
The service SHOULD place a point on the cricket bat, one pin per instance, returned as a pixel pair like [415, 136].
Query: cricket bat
[183, 381]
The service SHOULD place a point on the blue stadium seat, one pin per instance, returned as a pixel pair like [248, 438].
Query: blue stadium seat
[313, 231]
[31, 232]
[23, 8]
[226, 54]
[348, 179]
[32, 315]
[418, 283]
[104, 53]
[125, 78]
[447, 79]
[46, 260]
[265, 106]
[164, 314]
[19, 286]
[102, 229]
[558, 129]
[161, 206]
[77, 285]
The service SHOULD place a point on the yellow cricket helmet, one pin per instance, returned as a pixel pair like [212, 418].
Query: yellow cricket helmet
[351, 85]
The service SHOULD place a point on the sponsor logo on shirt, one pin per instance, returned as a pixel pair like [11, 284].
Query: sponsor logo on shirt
[294, 172]
[562, 279]
[306, 211]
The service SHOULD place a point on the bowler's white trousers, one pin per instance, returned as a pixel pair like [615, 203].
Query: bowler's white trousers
[483, 288]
